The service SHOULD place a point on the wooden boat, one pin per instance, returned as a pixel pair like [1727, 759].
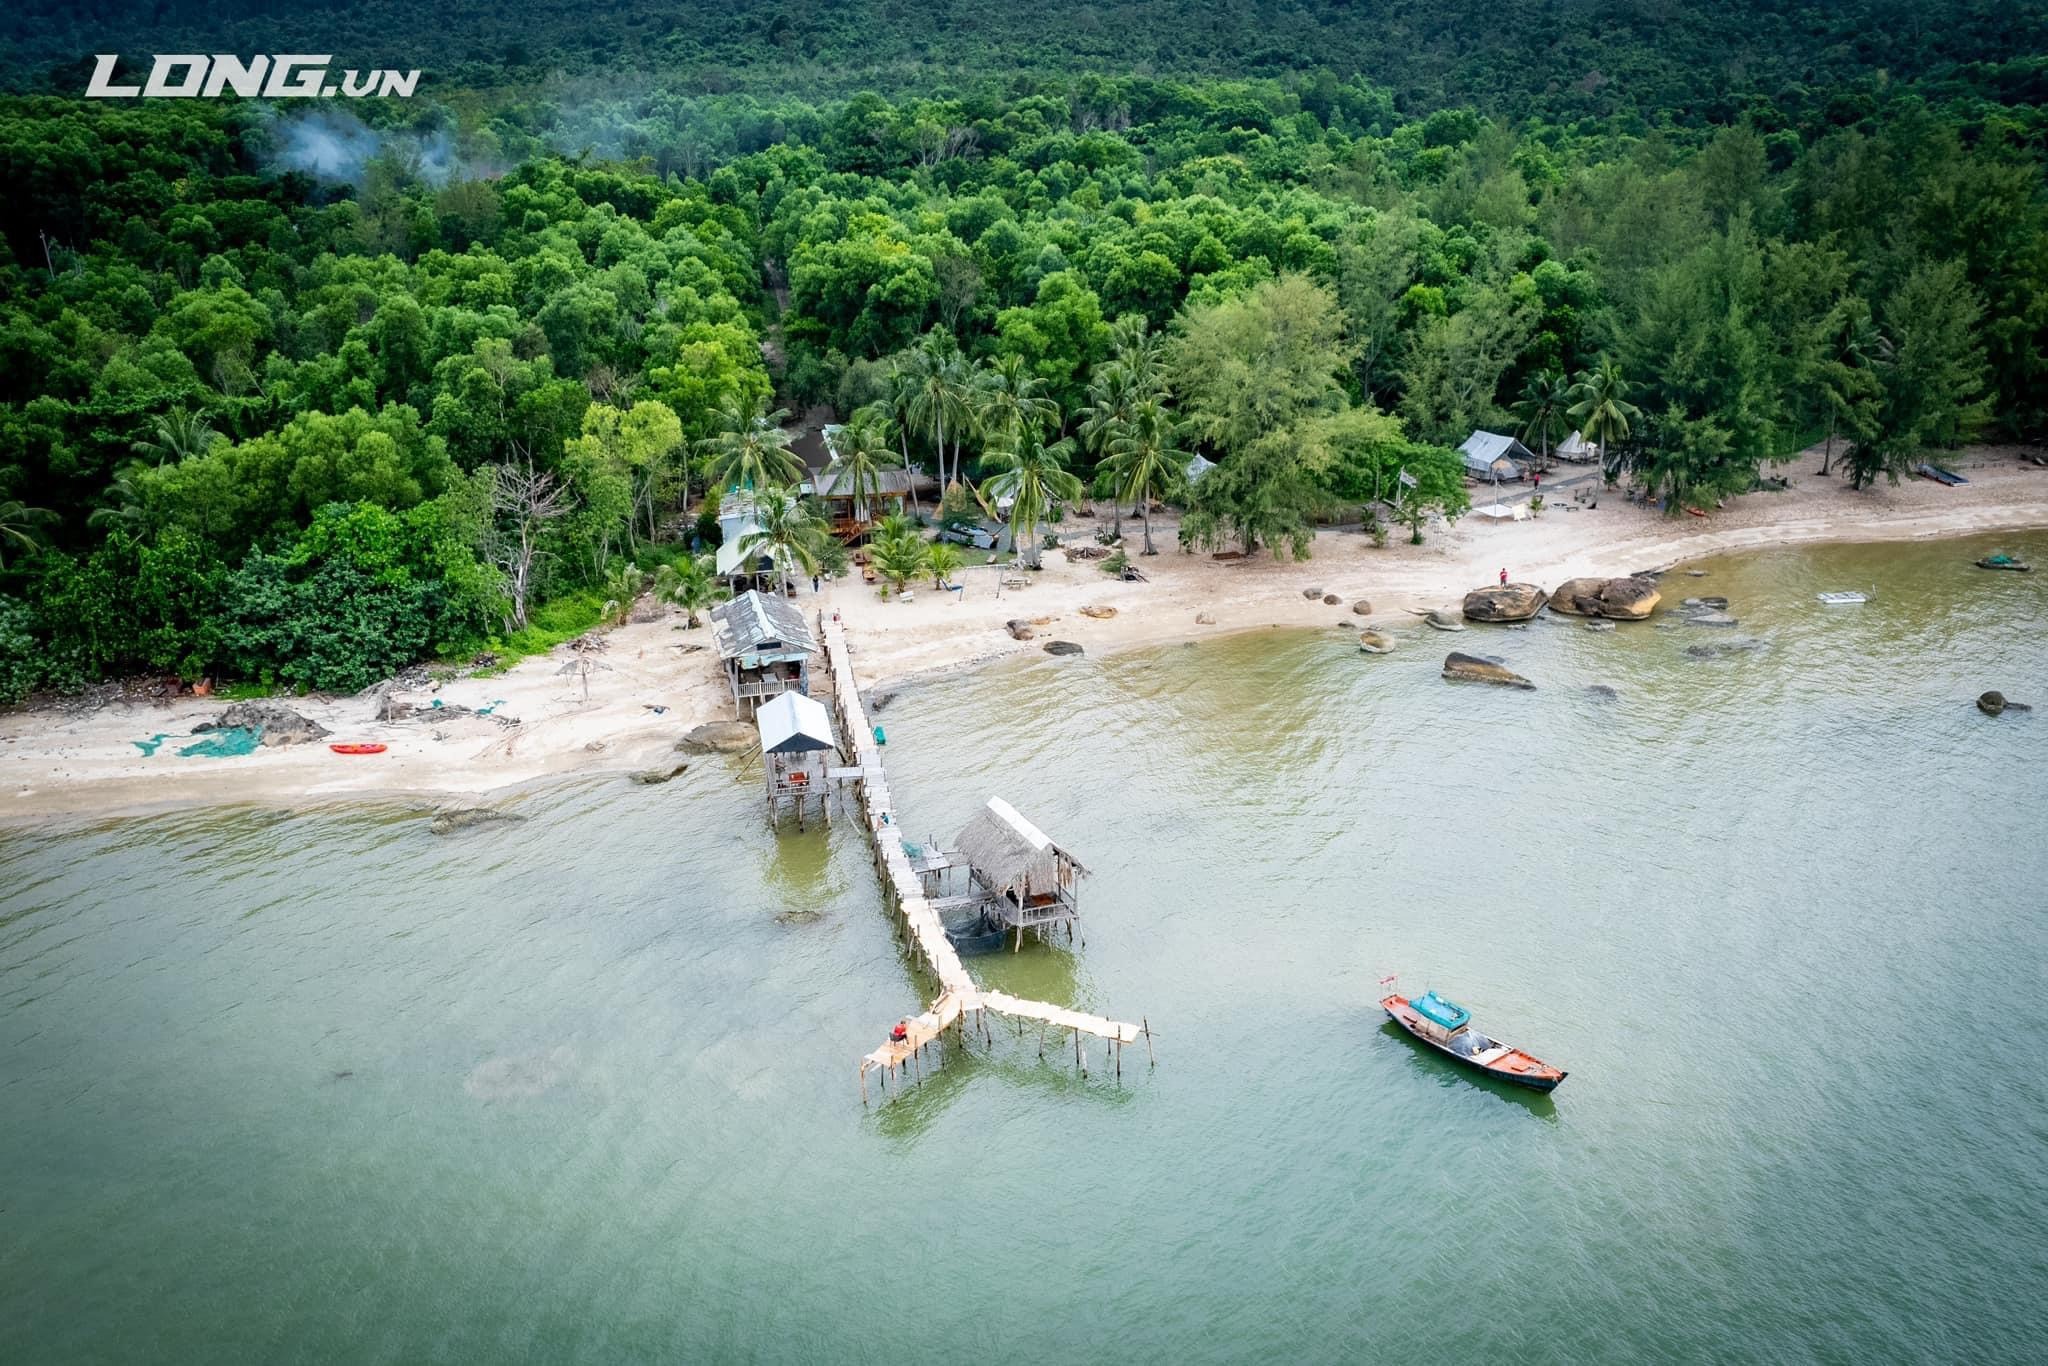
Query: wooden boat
[1947, 478]
[357, 749]
[1447, 1027]
[1843, 599]
[2004, 561]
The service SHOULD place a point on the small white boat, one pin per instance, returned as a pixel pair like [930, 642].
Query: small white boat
[1843, 599]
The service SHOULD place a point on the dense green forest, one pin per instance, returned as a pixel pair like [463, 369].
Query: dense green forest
[298, 396]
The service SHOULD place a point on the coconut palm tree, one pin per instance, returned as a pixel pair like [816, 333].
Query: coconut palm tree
[1034, 476]
[1010, 400]
[786, 528]
[941, 559]
[1545, 396]
[858, 452]
[124, 507]
[1112, 392]
[901, 559]
[1145, 460]
[16, 519]
[751, 449]
[1139, 350]
[938, 399]
[895, 407]
[177, 435]
[1600, 405]
[691, 585]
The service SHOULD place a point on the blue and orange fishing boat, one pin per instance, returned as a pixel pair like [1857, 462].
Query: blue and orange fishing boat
[1447, 1027]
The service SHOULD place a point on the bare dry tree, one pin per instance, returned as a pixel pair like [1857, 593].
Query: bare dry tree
[524, 500]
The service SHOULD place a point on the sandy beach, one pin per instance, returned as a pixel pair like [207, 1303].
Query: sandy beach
[121, 756]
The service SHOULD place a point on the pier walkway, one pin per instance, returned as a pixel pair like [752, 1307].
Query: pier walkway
[960, 1003]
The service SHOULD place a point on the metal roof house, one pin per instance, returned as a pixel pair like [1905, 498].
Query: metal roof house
[1491, 456]
[764, 645]
[796, 745]
[1027, 880]
[850, 516]
[738, 518]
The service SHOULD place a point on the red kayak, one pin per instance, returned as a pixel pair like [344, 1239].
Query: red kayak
[357, 749]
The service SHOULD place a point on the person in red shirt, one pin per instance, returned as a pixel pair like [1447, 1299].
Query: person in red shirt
[1503, 578]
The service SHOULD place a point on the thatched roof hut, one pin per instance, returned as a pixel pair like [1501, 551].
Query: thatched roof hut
[1017, 861]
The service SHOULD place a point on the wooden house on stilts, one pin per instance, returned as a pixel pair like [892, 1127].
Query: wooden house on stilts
[765, 647]
[1020, 879]
[797, 747]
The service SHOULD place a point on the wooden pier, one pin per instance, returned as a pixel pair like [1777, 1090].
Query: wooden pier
[961, 1005]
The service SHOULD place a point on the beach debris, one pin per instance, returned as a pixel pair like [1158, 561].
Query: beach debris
[650, 776]
[1361, 608]
[1598, 624]
[1508, 602]
[590, 642]
[1019, 629]
[1311, 593]
[589, 746]
[1063, 647]
[224, 742]
[464, 817]
[275, 724]
[1204, 619]
[1995, 703]
[1479, 669]
[1373, 643]
[1628, 599]
[1100, 612]
[1602, 692]
[719, 737]
[148, 747]
[1331, 599]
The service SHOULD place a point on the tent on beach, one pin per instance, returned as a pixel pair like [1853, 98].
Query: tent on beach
[1491, 457]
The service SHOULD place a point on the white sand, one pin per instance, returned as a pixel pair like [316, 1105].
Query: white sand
[53, 762]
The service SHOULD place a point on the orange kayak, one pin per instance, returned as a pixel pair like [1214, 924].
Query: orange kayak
[357, 749]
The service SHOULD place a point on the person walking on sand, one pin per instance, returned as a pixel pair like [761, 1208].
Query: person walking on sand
[815, 584]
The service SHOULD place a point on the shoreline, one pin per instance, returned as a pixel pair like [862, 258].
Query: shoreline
[59, 762]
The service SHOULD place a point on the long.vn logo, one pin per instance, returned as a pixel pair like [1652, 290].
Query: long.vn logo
[185, 76]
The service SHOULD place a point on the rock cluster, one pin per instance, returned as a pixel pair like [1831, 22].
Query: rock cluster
[275, 723]
[719, 737]
[1625, 599]
[1509, 602]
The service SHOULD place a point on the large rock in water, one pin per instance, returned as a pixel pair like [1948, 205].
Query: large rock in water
[1626, 599]
[1994, 703]
[1509, 602]
[1443, 620]
[720, 737]
[1373, 643]
[276, 723]
[1471, 668]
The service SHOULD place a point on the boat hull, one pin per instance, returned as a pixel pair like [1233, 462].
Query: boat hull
[1545, 1080]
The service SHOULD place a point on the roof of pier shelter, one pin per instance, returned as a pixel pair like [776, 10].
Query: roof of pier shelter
[794, 724]
[756, 624]
[1007, 850]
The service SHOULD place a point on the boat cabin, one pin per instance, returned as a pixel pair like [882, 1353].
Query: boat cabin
[797, 745]
[764, 646]
[1440, 1018]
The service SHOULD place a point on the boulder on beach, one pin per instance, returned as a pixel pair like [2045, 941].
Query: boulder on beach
[462, 818]
[1373, 643]
[1099, 612]
[719, 737]
[1508, 602]
[277, 724]
[1443, 619]
[1473, 669]
[1577, 597]
[1063, 647]
[1629, 599]
[1204, 619]
[1019, 629]
[1331, 599]
[1361, 608]
[1311, 593]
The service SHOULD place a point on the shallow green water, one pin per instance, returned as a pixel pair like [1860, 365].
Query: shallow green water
[323, 1087]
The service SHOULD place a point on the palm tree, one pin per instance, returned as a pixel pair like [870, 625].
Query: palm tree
[941, 558]
[1544, 399]
[901, 559]
[177, 435]
[1033, 476]
[1010, 400]
[15, 520]
[691, 586]
[896, 409]
[858, 452]
[125, 506]
[751, 449]
[938, 399]
[1112, 392]
[1601, 408]
[786, 529]
[1144, 460]
[1139, 350]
